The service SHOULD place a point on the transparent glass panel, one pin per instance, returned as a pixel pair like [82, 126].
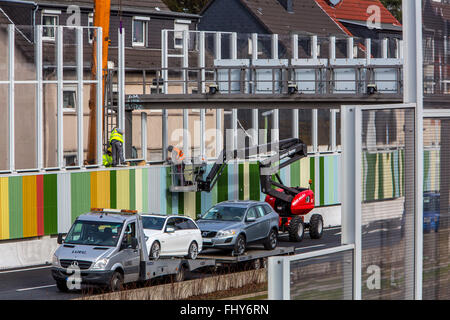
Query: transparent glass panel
[69, 54]
[175, 128]
[436, 231]
[285, 125]
[24, 54]
[265, 123]
[388, 202]
[4, 127]
[323, 278]
[50, 125]
[324, 129]
[305, 126]
[154, 135]
[4, 52]
[25, 126]
[211, 134]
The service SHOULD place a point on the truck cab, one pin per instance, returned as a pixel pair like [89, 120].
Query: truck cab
[102, 248]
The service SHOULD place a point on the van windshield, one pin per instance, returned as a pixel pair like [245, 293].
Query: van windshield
[224, 213]
[94, 233]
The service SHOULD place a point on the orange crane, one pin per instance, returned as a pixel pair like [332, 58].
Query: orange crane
[102, 10]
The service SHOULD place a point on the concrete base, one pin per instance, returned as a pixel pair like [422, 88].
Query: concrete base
[331, 215]
[24, 253]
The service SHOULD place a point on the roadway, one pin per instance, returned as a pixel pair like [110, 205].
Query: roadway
[36, 283]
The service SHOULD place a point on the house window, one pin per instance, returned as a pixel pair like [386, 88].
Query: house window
[90, 25]
[69, 99]
[70, 160]
[180, 26]
[49, 22]
[140, 31]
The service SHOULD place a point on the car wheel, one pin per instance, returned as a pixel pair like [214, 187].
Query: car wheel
[271, 241]
[155, 251]
[193, 251]
[240, 245]
[296, 229]
[116, 282]
[316, 226]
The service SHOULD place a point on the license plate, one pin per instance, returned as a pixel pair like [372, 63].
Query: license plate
[208, 241]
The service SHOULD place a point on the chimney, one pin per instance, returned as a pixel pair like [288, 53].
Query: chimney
[287, 4]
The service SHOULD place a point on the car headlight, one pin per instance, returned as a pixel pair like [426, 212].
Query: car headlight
[226, 233]
[100, 264]
[55, 261]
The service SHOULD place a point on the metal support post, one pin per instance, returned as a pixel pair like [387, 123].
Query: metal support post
[80, 97]
[11, 109]
[100, 97]
[413, 93]
[39, 100]
[59, 99]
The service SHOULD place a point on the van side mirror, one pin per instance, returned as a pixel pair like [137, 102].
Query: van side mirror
[134, 243]
[250, 219]
[60, 239]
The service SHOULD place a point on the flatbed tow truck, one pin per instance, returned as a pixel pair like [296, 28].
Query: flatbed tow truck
[121, 255]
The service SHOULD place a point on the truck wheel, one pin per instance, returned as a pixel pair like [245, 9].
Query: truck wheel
[296, 229]
[271, 241]
[181, 274]
[316, 226]
[62, 286]
[155, 251]
[240, 245]
[116, 282]
[193, 251]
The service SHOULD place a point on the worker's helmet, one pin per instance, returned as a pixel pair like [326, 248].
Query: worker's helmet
[120, 131]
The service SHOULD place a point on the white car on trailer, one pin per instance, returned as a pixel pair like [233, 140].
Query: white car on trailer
[171, 236]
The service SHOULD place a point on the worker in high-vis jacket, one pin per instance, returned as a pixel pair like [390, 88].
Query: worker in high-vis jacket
[107, 157]
[116, 142]
[177, 158]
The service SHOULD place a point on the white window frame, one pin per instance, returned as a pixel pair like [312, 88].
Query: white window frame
[144, 21]
[72, 89]
[50, 13]
[90, 24]
[178, 34]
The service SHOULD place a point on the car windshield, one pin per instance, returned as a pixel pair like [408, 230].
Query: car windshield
[431, 204]
[224, 213]
[94, 233]
[153, 223]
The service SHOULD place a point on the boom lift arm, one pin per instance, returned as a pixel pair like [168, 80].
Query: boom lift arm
[283, 153]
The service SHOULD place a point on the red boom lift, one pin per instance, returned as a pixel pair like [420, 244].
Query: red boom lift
[291, 203]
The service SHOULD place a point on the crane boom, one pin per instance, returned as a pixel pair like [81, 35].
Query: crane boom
[102, 10]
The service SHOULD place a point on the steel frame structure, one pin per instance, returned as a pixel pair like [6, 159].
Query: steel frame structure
[351, 167]
[59, 82]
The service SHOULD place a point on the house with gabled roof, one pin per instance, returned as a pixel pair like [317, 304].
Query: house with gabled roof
[362, 18]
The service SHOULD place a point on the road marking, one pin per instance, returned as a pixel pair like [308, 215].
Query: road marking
[309, 247]
[41, 287]
[28, 269]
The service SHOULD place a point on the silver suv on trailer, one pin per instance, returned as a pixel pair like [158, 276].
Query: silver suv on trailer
[234, 224]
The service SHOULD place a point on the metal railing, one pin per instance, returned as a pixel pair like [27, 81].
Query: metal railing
[267, 79]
